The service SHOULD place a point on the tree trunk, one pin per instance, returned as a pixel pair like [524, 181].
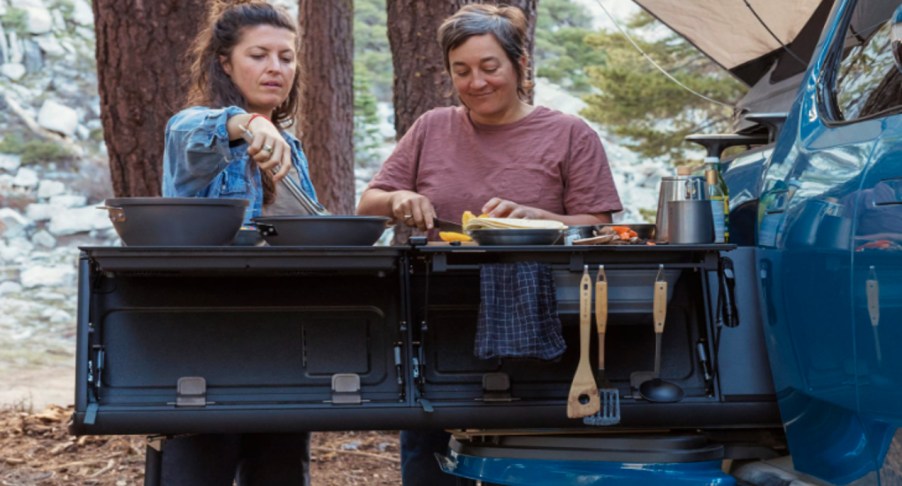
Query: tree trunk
[142, 79]
[326, 121]
[421, 82]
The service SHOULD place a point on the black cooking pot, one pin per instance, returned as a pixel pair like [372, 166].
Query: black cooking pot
[175, 221]
[321, 230]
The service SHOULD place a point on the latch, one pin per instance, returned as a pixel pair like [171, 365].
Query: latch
[346, 389]
[191, 391]
[496, 387]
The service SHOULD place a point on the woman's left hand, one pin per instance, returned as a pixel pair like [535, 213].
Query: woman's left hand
[503, 208]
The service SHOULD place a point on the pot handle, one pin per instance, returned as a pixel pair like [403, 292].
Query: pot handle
[267, 229]
[117, 215]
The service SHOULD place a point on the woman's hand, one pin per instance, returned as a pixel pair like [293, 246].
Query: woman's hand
[412, 209]
[503, 208]
[268, 149]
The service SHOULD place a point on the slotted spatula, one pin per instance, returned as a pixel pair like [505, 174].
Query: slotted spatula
[583, 400]
[609, 395]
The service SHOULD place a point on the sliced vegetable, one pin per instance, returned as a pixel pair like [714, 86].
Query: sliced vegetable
[452, 236]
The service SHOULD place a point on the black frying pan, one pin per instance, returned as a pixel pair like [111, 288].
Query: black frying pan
[321, 230]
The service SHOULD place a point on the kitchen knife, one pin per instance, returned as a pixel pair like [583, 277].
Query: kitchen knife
[445, 225]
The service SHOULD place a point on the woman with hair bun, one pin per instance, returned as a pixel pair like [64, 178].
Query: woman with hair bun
[244, 74]
[495, 154]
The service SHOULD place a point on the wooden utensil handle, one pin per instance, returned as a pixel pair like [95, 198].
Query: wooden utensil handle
[660, 306]
[585, 316]
[601, 318]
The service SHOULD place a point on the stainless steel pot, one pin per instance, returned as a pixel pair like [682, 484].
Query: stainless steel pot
[691, 221]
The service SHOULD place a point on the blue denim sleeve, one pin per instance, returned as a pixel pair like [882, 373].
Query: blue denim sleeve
[197, 150]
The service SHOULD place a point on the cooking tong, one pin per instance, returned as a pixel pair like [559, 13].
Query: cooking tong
[310, 205]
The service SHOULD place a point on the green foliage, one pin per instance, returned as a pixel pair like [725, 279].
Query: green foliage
[372, 76]
[366, 120]
[12, 144]
[652, 113]
[66, 7]
[42, 151]
[648, 215]
[371, 48]
[561, 52]
[15, 20]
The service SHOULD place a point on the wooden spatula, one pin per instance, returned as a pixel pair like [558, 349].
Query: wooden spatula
[583, 399]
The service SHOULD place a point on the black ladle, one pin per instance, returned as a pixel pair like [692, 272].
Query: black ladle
[656, 389]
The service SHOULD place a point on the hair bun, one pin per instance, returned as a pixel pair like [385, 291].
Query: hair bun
[218, 7]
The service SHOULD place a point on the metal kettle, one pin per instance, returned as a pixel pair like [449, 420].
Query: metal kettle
[681, 187]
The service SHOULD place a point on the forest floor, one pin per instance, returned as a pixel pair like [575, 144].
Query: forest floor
[38, 450]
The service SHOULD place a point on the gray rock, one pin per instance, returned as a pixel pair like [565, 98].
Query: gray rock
[6, 182]
[10, 162]
[13, 70]
[15, 49]
[68, 200]
[26, 178]
[43, 238]
[82, 15]
[4, 46]
[39, 20]
[50, 45]
[48, 189]
[8, 287]
[12, 224]
[34, 59]
[58, 118]
[56, 275]
[16, 250]
[78, 220]
[59, 23]
[40, 211]
[57, 316]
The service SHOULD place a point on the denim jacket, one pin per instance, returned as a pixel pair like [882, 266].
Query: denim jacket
[199, 162]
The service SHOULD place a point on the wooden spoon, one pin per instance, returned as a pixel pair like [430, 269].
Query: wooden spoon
[583, 399]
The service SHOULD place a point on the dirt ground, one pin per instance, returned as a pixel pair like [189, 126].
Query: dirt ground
[36, 449]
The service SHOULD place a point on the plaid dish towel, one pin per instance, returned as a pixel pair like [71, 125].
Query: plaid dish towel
[518, 313]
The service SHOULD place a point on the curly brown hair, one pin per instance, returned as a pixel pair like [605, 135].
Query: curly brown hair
[210, 85]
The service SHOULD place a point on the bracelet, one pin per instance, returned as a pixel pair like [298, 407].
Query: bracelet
[255, 115]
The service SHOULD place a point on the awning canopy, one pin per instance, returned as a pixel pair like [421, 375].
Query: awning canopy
[747, 37]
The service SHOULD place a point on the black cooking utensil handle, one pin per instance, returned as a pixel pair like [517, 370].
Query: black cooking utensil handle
[728, 292]
[267, 229]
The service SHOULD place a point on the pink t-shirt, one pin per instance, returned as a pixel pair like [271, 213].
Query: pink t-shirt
[546, 160]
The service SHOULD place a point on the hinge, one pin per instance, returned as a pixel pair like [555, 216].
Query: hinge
[191, 391]
[496, 387]
[346, 389]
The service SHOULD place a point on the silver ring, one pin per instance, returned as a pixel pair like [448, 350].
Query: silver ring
[267, 148]
[407, 216]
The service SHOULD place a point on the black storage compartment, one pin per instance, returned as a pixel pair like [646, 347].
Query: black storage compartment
[262, 339]
[281, 339]
[470, 392]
